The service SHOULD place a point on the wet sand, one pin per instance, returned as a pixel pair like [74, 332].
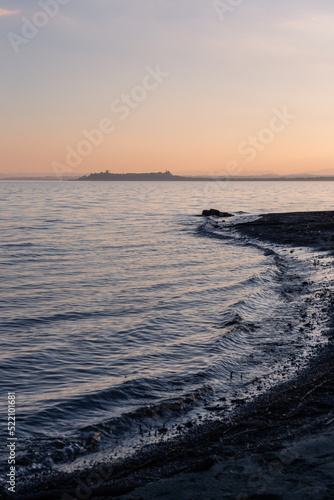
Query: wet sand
[279, 446]
[311, 229]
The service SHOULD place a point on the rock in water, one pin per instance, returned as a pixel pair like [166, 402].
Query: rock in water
[215, 213]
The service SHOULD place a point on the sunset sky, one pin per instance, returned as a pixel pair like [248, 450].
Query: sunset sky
[192, 86]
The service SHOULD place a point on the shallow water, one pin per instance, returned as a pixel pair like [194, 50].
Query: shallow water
[122, 310]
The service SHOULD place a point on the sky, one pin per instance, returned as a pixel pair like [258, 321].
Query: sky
[192, 86]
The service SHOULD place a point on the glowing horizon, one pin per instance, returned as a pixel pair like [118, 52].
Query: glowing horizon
[182, 86]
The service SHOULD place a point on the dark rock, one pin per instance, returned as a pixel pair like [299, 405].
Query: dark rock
[268, 252]
[215, 408]
[204, 465]
[215, 213]
[59, 445]
[22, 459]
[265, 496]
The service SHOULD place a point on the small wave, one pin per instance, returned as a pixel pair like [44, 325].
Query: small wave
[70, 316]
[150, 419]
[134, 392]
[208, 230]
[233, 321]
[18, 245]
[161, 409]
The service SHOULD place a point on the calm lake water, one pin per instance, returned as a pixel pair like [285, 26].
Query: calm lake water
[122, 311]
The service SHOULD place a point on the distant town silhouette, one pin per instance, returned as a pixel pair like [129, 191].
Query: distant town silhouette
[168, 176]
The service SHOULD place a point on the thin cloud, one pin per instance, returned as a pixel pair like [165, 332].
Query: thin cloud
[313, 24]
[5, 12]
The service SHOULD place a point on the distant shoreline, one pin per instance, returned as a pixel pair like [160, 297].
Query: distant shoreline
[223, 179]
[174, 178]
[168, 177]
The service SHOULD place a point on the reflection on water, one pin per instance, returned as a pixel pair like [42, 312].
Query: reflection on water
[116, 298]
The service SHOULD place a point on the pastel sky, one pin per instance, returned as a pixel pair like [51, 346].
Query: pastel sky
[192, 86]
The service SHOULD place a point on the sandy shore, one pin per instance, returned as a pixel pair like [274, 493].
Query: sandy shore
[311, 229]
[301, 469]
[279, 446]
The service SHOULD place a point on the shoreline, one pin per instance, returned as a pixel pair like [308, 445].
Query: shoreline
[256, 441]
[299, 229]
